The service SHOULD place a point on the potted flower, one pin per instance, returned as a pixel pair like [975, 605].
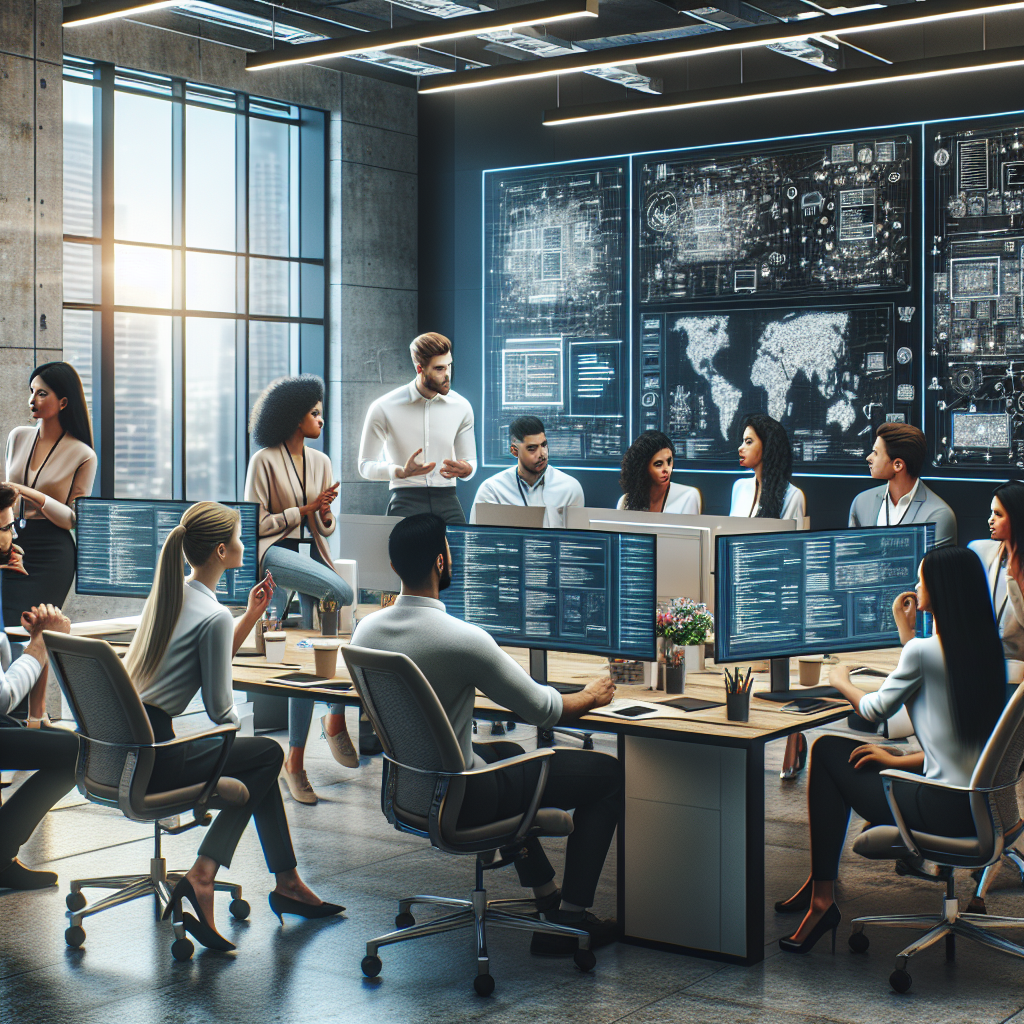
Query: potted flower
[694, 623]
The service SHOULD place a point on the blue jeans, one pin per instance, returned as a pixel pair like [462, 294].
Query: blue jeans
[313, 580]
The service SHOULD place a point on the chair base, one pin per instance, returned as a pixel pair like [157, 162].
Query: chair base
[477, 913]
[986, 877]
[159, 883]
[947, 925]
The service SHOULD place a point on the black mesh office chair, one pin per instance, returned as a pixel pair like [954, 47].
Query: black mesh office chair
[422, 790]
[993, 797]
[115, 763]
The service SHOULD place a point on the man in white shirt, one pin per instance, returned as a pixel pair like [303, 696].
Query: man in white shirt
[532, 481]
[424, 418]
[898, 456]
[457, 657]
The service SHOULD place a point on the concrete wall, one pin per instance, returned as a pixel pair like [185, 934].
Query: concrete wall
[372, 258]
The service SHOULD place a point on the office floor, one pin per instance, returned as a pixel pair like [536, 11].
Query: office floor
[309, 971]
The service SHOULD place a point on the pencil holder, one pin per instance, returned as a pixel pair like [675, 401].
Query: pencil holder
[737, 706]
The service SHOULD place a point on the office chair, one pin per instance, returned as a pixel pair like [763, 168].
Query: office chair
[993, 799]
[422, 790]
[115, 763]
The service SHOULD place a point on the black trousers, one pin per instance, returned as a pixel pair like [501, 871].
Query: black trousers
[588, 782]
[50, 564]
[256, 763]
[52, 754]
[410, 501]
[835, 788]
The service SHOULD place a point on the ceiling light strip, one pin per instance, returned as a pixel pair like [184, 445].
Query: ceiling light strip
[724, 42]
[106, 10]
[423, 33]
[908, 71]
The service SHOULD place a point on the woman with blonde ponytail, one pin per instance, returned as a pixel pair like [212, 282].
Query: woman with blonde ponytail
[185, 643]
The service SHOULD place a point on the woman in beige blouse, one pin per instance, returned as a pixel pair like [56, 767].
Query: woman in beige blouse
[50, 465]
[294, 486]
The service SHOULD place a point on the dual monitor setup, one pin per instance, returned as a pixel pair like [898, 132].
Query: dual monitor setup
[778, 592]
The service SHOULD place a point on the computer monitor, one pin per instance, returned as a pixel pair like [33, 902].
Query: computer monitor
[812, 592]
[365, 539]
[683, 568]
[559, 590]
[530, 517]
[119, 542]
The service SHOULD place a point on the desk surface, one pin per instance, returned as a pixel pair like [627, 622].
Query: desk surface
[767, 720]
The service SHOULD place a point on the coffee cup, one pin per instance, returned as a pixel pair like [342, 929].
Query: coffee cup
[810, 671]
[274, 643]
[325, 654]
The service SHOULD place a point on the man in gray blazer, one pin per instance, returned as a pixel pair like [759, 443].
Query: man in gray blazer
[898, 456]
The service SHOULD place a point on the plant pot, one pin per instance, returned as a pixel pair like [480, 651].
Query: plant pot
[694, 657]
[329, 622]
[675, 678]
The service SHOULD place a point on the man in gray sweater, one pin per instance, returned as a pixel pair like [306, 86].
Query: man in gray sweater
[457, 658]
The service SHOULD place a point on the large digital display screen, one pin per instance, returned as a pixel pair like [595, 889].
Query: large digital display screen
[119, 543]
[781, 595]
[561, 590]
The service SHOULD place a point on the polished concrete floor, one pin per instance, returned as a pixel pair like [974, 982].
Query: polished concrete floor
[309, 971]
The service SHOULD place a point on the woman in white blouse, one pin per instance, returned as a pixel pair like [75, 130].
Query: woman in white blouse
[769, 493]
[953, 684]
[185, 643]
[646, 478]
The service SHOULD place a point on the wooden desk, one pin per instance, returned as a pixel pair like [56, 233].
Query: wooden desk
[691, 841]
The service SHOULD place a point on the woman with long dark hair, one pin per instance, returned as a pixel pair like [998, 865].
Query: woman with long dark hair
[646, 479]
[953, 685]
[50, 465]
[184, 644]
[293, 484]
[1002, 558]
[769, 493]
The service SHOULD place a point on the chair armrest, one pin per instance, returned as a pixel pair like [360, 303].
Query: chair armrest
[919, 780]
[530, 755]
[164, 744]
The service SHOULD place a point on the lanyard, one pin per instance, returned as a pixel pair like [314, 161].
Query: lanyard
[302, 482]
[522, 492]
[35, 479]
[901, 518]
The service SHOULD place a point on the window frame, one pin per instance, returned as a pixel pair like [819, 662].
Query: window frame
[311, 159]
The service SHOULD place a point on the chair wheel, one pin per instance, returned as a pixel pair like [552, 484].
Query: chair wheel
[859, 942]
[584, 959]
[75, 901]
[404, 921]
[371, 966]
[588, 742]
[484, 984]
[900, 980]
[74, 936]
[977, 906]
[239, 909]
[182, 950]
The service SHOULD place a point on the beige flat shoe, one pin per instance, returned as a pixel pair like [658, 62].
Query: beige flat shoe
[299, 787]
[341, 746]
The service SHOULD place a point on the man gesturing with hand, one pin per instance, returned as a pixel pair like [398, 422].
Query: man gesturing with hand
[419, 437]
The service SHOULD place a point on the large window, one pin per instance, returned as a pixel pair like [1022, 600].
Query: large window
[194, 242]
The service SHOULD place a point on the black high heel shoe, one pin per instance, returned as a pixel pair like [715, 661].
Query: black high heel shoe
[200, 929]
[797, 903]
[801, 759]
[282, 905]
[829, 921]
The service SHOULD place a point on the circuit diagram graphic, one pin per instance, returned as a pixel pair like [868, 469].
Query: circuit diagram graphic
[827, 217]
[555, 337]
[976, 359]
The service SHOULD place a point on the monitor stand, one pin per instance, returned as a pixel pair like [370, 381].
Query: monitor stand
[779, 674]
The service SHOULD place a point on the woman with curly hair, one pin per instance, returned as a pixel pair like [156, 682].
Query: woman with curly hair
[768, 494]
[646, 479]
[293, 485]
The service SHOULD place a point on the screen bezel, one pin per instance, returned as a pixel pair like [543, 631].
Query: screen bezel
[184, 505]
[841, 646]
[552, 643]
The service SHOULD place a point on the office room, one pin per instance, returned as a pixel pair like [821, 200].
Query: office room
[510, 509]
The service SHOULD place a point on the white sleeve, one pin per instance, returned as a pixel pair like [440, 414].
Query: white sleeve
[17, 681]
[902, 683]
[485, 494]
[576, 498]
[507, 683]
[214, 644]
[373, 460]
[796, 505]
[465, 443]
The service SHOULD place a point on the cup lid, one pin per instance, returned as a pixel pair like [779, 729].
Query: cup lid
[274, 635]
[325, 644]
